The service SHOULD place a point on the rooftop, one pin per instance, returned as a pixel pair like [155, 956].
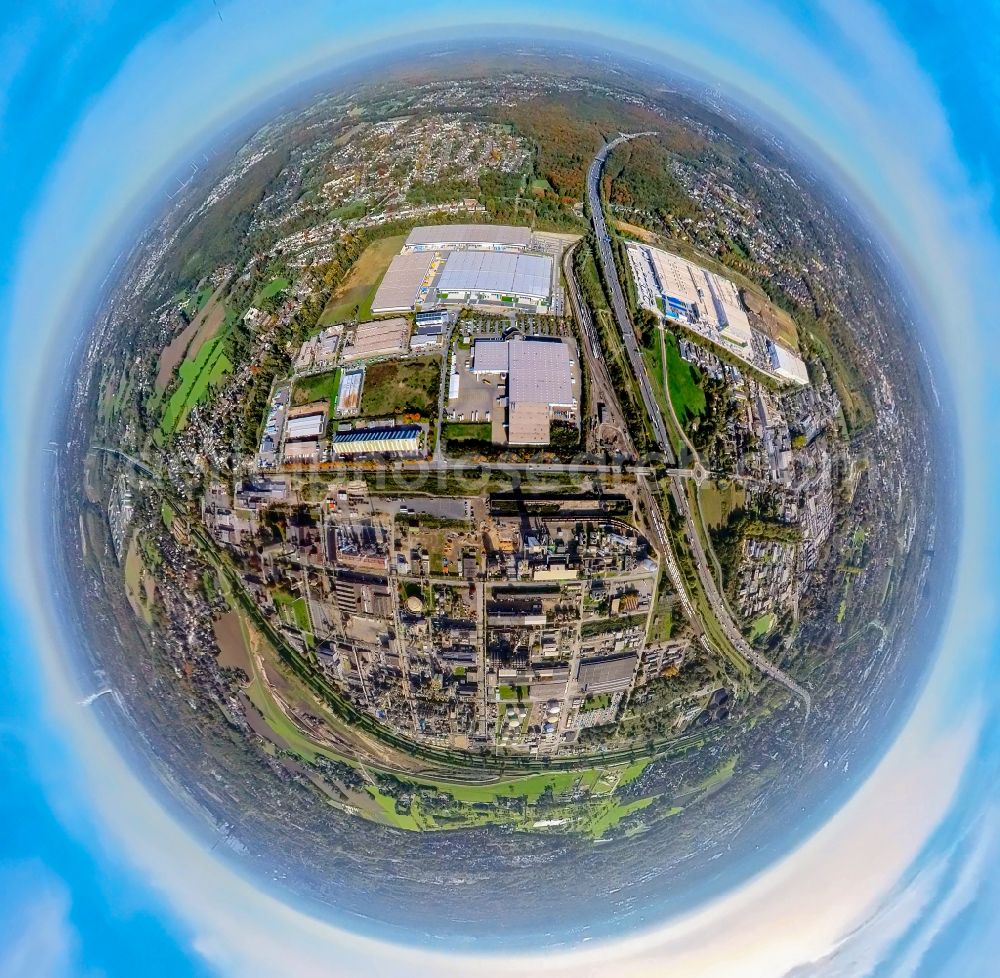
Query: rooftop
[398, 289]
[502, 272]
[460, 234]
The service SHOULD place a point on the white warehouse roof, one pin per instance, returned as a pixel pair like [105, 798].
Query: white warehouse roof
[538, 370]
[305, 425]
[468, 234]
[786, 364]
[500, 272]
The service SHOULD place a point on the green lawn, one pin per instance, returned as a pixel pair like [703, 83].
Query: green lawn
[600, 702]
[686, 394]
[467, 431]
[272, 288]
[394, 387]
[293, 610]
[318, 387]
[196, 376]
[762, 626]
[612, 814]
[353, 298]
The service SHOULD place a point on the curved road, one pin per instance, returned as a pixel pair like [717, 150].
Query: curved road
[718, 606]
[618, 304]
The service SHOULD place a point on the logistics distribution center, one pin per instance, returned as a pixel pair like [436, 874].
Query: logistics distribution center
[467, 264]
[678, 290]
[540, 386]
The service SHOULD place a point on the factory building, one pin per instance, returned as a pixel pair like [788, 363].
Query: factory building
[402, 440]
[381, 337]
[606, 674]
[309, 425]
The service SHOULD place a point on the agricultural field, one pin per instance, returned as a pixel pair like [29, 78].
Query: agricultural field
[394, 387]
[196, 374]
[188, 343]
[353, 297]
[777, 323]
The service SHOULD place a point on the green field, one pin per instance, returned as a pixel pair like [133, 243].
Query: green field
[718, 500]
[686, 394]
[198, 299]
[353, 298]
[762, 626]
[467, 431]
[196, 376]
[318, 387]
[599, 702]
[293, 610]
[395, 387]
[272, 288]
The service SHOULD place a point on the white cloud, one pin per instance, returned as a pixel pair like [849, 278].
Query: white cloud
[37, 939]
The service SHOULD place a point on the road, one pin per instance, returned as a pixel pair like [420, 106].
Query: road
[717, 605]
[618, 304]
[721, 611]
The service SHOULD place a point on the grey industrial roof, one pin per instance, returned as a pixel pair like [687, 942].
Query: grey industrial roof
[398, 288]
[305, 425]
[503, 272]
[469, 234]
[539, 372]
[607, 672]
[490, 357]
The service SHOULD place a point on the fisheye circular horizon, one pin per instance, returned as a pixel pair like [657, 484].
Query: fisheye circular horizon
[549, 770]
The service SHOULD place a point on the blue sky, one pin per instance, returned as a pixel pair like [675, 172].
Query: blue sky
[98, 98]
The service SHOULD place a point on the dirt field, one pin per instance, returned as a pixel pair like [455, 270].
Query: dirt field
[358, 289]
[773, 321]
[202, 328]
[641, 233]
[233, 650]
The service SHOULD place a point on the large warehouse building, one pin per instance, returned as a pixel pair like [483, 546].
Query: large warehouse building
[467, 264]
[540, 384]
[496, 276]
[678, 289]
[458, 237]
[397, 292]
[402, 440]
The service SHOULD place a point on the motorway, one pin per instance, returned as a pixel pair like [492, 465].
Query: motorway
[717, 605]
[618, 304]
